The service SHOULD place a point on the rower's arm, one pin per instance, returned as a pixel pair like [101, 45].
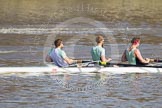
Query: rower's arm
[139, 56]
[48, 59]
[103, 58]
[68, 60]
[124, 59]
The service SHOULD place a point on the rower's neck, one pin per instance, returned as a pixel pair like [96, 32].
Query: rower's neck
[58, 47]
[133, 47]
[99, 44]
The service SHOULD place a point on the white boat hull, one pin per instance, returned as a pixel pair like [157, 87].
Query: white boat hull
[108, 70]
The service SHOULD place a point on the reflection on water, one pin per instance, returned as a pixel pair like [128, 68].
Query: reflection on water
[131, 90]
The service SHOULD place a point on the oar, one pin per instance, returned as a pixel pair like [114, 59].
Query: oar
[85, 62]
[127, 65]
[121, 64]
[130, 65]
[91, 61]
[82, 61]
[118, 64]
[88, 62]
[157, 60]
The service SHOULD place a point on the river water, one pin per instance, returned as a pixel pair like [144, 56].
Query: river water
[28, 29]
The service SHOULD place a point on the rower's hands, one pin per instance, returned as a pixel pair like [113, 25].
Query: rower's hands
[79, 61]
[148, 60]
[152, 60]
[109, 59]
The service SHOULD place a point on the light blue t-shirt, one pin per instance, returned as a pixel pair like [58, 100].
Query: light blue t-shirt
[97, 52]
[58, 56]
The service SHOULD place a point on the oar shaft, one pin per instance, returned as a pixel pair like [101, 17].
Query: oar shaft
[157, 60]
[86, 61]
[130, 65]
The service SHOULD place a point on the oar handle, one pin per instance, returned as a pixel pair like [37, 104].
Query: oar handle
[89, 61]
[155, 60]
[86, 61]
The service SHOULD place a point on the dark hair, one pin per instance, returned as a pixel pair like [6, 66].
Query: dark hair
[57, 42]
[135, 40]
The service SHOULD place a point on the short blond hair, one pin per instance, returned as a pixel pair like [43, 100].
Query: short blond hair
[99, 39]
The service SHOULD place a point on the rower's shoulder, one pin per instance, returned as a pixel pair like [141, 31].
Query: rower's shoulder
[95, 47]
[136, 50]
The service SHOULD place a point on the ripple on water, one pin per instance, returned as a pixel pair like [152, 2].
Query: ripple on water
[129, 90]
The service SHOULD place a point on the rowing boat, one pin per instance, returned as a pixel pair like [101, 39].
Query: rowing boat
[88, 69]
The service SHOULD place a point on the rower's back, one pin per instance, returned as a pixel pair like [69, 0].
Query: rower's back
[97, 52]
[58, 56]
[131, 56]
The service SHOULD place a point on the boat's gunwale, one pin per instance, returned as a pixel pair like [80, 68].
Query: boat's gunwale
[118, 70]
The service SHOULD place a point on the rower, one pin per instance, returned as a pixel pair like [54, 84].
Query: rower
[58, 56]
[133, 55]
[98, 52]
